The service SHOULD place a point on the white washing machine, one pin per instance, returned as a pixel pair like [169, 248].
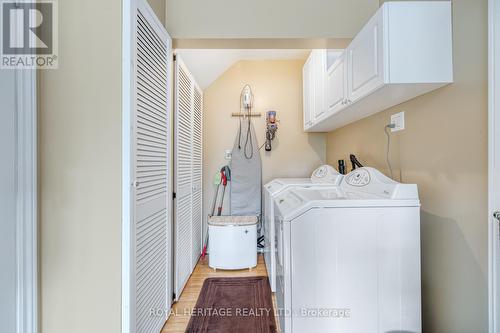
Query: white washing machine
[348, 258]
[324, 175]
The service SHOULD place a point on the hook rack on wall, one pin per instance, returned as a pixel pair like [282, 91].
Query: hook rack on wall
[239, 114]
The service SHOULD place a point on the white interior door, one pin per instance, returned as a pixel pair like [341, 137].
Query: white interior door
[147, 186]
[494, 165]
[183, 175]
[197, 165]
[188, 174]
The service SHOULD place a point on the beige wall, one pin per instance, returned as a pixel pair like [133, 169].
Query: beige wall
[267, 19]
[79, 172]
[444, 150]
[160, 9]
[277, 85]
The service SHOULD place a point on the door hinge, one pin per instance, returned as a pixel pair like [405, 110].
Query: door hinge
[173, 296]
[496, 216]
[174, 195]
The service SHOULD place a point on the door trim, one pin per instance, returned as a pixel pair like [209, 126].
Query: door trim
[128, 8]
[27, 209]
[493, 162]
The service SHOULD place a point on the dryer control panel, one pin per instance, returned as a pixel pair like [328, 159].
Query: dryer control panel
[359, 177]
[326, 174]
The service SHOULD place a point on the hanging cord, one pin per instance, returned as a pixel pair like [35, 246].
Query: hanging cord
[239, 129]
[388, 160]
[248, 137]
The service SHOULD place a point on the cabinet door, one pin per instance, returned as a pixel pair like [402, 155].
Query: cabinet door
[336, 86]
[365, 61]
[308, 92]
[319, 74]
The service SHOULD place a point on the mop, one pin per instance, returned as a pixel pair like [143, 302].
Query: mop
[226, 176]
[217, 182]
[221, 177]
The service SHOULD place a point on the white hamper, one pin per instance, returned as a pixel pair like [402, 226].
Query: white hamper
[232, 242]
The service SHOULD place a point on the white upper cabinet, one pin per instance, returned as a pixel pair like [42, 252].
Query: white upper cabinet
[364, 59]
[314, 72]
[403, 51]
[319, 57]
[308, 93]
[336, 85]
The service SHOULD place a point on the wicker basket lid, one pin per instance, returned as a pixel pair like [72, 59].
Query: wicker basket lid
[229, 220]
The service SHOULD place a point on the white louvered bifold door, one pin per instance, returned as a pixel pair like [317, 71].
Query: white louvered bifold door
[197, 174]
[183, 176]
[187, 174]
[151, 171]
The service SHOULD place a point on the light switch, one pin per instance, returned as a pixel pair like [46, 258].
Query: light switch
[398, 120]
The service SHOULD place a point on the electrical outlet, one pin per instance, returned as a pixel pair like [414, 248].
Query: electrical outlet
[398, 120]
[227, 154]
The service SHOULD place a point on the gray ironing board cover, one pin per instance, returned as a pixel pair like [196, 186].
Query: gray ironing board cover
[246, 176]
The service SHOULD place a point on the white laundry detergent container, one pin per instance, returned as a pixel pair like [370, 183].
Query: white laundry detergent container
[232, 242]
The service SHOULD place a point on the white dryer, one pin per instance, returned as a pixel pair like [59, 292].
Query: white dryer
[348, 258]
[324, 175]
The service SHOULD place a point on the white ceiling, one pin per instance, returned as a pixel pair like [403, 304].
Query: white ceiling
[207, 65]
